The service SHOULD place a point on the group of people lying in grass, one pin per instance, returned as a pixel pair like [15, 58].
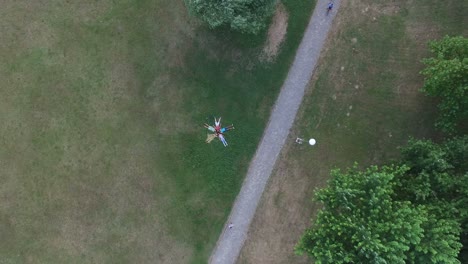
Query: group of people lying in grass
[218, 131]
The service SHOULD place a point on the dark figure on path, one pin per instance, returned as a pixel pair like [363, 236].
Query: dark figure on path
[330, 7]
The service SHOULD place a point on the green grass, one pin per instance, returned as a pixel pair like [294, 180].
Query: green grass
[103, 155]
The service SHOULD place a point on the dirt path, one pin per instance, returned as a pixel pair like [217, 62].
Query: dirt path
[232, 239]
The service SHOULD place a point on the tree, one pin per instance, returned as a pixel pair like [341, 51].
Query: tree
[247, 16]
[428, 177]
[437, 175]
[361, 222]
[364, 220]
[440, 242]
[438, 178]
[446, 77]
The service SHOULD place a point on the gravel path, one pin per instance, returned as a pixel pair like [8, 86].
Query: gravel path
[232, 239]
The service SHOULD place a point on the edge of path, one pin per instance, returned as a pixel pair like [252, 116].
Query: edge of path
[231, 240]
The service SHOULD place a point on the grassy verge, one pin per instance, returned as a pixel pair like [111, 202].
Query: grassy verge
[103, 155]
[362, 105]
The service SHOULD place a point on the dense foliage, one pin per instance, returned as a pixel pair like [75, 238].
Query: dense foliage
[437, 172]
[412, 213]
[446, 77]
[438, 179]
[247, 16]
[361, 222]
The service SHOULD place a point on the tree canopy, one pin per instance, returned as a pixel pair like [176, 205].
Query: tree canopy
[247, 16]
[411, 213]
[361, 222]
[438, 176]
[446, 77]
[438, 179]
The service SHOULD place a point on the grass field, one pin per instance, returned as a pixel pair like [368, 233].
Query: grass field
[362, 104]
[102, 152]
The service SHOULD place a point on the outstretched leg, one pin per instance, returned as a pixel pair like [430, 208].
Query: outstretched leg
[221, 137]
[218, 122]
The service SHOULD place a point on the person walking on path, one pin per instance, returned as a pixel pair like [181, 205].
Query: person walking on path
[329, 7]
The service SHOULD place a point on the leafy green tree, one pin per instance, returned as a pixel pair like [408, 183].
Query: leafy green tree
[428, 177]
[247, 16]
[438, 178]
[446, 77]
[457, 153]
[437, 174]
[440, 242]
[365, 221]
[361, 222]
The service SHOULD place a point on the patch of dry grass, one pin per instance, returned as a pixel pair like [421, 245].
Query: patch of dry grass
[276, 33]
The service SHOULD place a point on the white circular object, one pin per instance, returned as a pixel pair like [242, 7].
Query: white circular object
[312, 141]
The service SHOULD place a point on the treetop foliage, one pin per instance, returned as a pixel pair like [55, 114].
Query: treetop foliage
[446, 77]
[247, 16]
[438, 176]
[361, 222]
